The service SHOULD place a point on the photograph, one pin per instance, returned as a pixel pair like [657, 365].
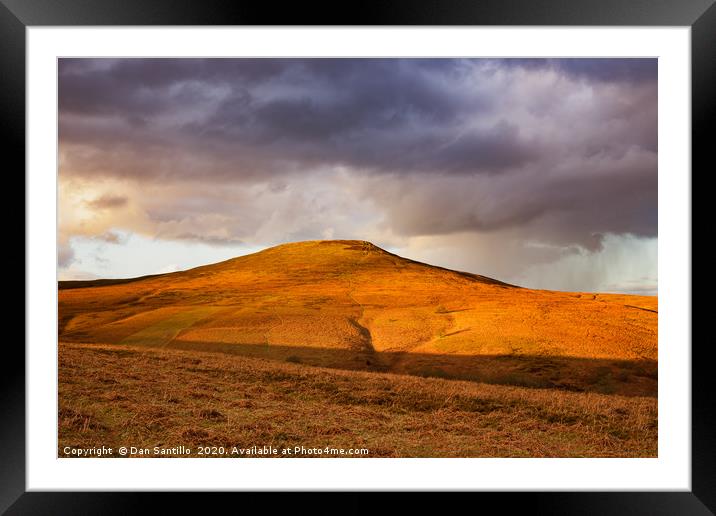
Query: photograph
[357, 257]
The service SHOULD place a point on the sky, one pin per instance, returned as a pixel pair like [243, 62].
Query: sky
[537, 172]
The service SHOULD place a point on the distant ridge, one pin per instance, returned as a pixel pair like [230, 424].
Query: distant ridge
[67, 284]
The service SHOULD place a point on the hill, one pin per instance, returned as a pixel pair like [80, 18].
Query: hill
[352, 305]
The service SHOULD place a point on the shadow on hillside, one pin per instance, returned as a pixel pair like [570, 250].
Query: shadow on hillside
[623, 377]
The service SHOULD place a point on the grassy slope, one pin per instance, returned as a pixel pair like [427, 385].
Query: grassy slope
[351, 305]
[136, 396]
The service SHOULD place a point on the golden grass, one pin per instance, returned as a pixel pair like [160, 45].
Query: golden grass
[117, 395]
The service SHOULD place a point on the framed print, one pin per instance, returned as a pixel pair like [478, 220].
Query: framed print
[436, 249]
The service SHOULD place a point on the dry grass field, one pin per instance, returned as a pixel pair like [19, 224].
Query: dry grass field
[341, 342]
[135, 396]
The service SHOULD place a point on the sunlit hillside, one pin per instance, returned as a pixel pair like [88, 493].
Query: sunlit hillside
[352, 305]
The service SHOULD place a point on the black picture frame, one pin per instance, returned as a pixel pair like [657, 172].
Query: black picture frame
[17, 15]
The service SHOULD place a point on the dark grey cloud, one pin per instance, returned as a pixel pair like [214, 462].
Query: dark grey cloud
[108, 201]
[575, 206]
[562, 149]
[139, 86]
[259, 114]
[619, 70]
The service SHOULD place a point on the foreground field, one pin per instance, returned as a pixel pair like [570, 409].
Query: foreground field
[351, 305]
[121, 395]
